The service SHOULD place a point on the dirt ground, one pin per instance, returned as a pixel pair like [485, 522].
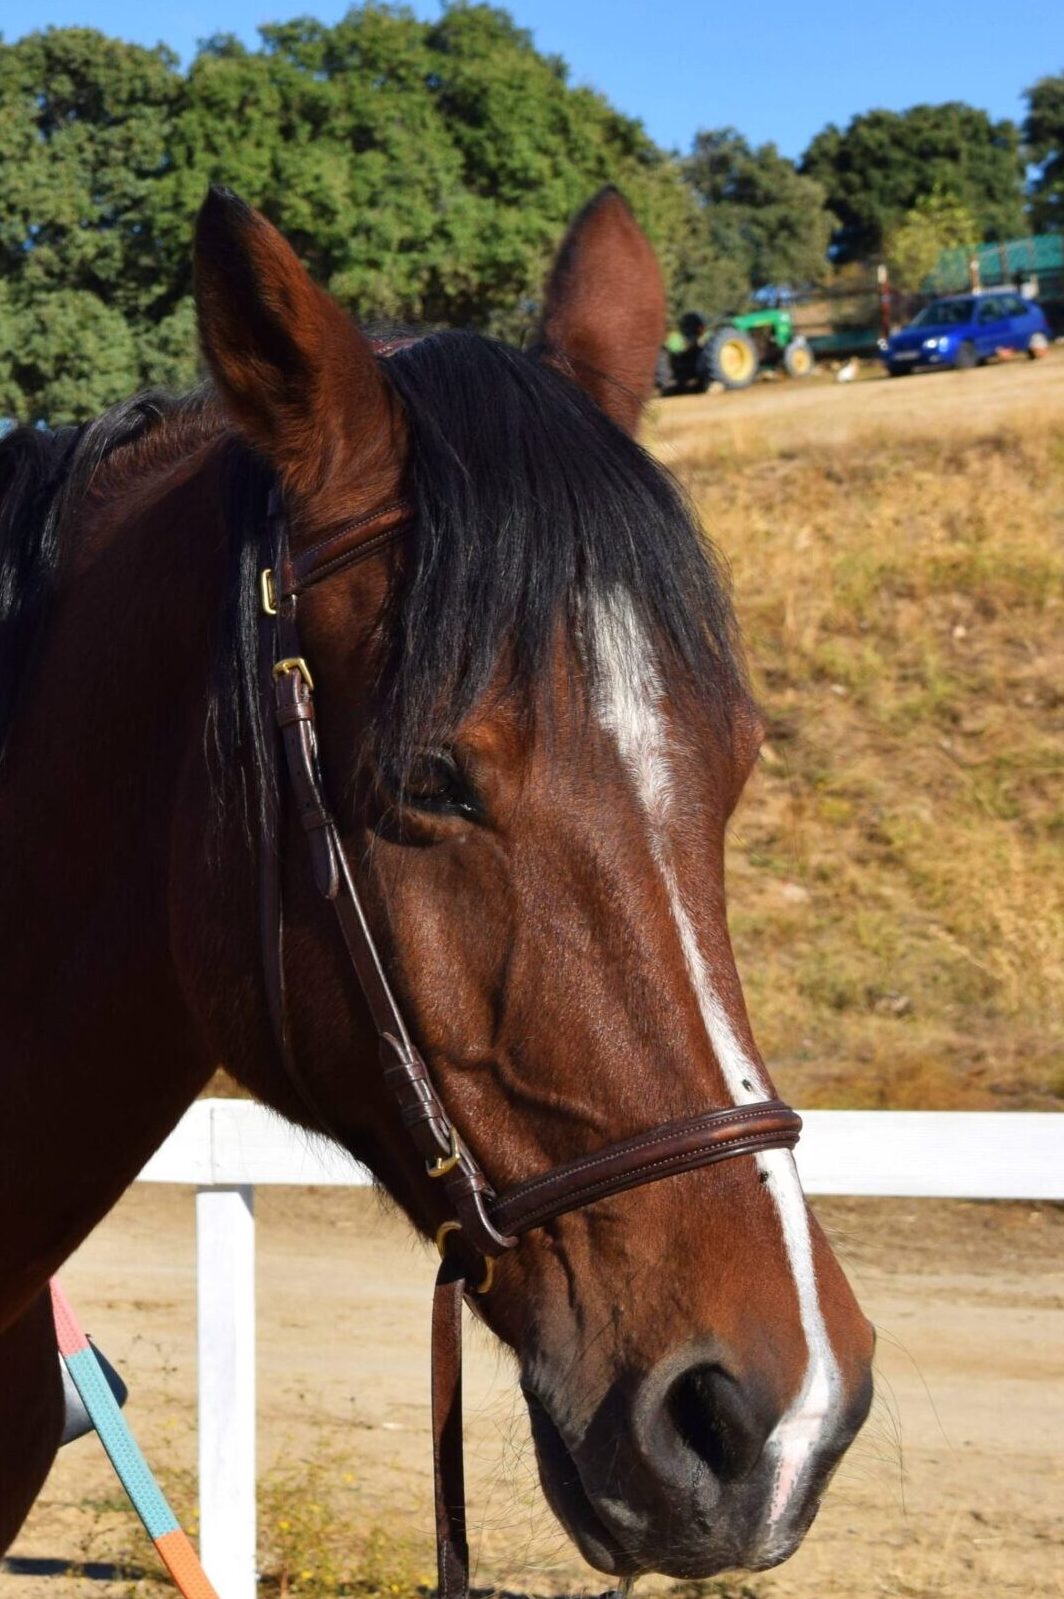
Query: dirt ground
[955, 1488]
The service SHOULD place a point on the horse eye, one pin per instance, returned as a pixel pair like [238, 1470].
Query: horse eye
[437, 784]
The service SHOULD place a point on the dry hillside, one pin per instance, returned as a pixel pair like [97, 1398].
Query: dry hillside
[897, 865]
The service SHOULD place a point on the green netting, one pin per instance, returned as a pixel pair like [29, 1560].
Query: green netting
[1041, 255]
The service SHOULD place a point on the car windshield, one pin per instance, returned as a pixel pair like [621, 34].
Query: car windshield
[945, 314]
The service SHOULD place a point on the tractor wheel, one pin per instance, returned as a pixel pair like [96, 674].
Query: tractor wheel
[798, 359]
[732, 357]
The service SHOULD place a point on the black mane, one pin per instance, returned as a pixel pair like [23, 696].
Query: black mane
[530, 507]
[42, 475]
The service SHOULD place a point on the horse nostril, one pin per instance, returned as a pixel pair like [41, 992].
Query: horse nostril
[716, 1421]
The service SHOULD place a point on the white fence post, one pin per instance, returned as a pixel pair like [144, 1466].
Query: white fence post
[225, 1287]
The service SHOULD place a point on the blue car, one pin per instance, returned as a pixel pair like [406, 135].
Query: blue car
[964, 330]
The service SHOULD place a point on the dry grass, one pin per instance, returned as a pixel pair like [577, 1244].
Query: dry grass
[309, 1547]
[312, 1544]
[897, 867]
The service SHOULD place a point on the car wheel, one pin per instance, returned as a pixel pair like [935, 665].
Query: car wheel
[1037, 345]
[899, 371]
[966, 357]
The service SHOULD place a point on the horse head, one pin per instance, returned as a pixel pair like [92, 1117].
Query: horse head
[534, 726]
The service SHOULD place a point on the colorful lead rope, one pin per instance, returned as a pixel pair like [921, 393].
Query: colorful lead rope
[133, 1471]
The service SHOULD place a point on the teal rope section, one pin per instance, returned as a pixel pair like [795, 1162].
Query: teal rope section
[132, 1468]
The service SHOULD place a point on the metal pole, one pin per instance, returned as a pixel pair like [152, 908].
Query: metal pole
[885, 318]
[225, 1287]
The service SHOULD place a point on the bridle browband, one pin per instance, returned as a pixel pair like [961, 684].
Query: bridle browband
[484, 1223]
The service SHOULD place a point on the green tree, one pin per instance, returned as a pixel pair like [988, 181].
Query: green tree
[332, 132]
[64, 355]
[936, 222]
[424, 172]
[758, 212]
[1043, 137]
[704, 280]
[84, 125]
[876, 170]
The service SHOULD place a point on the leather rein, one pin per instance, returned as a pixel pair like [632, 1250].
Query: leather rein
[486, 1223]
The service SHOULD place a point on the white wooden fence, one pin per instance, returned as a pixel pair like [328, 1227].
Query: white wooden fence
[226, 1147]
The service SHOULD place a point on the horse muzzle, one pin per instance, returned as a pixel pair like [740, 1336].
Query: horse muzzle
[686, 1473]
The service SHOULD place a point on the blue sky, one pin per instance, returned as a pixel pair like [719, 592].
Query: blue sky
[776, 71]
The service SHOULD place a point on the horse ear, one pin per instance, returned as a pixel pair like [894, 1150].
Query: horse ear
[298, 377]
[604, 308]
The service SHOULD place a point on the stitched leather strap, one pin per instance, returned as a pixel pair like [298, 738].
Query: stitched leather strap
[674, 1147]
[355, 541]
[448, 1465]
[405, 1073]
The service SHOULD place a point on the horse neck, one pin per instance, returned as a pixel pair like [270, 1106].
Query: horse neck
[101, 1049]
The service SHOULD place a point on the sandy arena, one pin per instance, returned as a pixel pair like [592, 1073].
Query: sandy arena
[955, 1488]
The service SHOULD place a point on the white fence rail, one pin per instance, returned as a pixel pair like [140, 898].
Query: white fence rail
[227, 1147]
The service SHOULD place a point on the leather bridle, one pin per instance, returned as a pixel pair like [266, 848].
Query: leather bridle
[484, 1223]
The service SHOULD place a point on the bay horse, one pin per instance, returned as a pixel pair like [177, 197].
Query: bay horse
[534, 724]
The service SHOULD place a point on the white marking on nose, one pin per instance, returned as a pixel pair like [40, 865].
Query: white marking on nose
[812, 1411]
[630, 693]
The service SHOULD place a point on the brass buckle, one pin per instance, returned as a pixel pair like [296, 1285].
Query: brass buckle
[446, 1163]
[443, 1232]
[268, 592]
[294, 663]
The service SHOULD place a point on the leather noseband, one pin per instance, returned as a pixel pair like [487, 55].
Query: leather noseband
[487, 1224]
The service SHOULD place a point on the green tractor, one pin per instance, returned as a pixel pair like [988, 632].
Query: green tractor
[731, 353]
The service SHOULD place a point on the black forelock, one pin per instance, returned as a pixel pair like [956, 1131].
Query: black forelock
[530, 506]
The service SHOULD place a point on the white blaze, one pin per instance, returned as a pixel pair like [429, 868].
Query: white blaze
[629, 699]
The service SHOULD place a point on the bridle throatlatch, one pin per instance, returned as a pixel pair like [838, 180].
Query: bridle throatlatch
[481, 1222]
